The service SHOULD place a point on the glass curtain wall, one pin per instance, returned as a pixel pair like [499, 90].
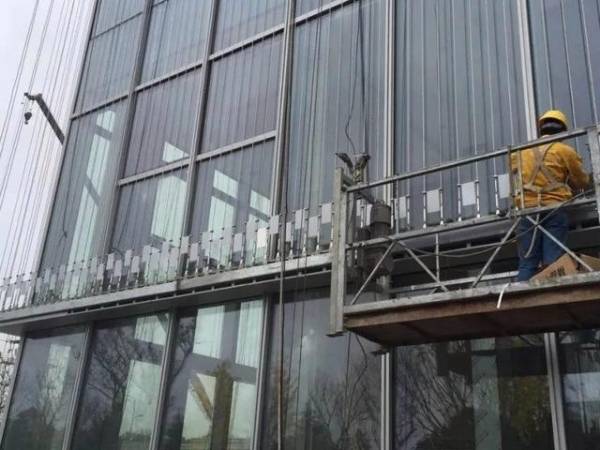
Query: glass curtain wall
[87, 178]
[566, 57]
[212, 388]
[579, 356]
[153, 190]
[111, 54]
[459, 92]
[90, 164]
[43, 391]
[337, 98]
[332, 386]
[235, 168]
[473, 395]
[117, 407]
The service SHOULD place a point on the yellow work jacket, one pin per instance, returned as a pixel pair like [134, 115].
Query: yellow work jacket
[549, 173]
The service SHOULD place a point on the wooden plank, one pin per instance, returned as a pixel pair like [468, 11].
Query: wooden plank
[564, 307]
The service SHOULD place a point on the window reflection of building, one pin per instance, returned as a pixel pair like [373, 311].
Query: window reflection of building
[212, 389]
[481, 394]
[234, 203]
[579, 354]
[43, 390]
[120, 391]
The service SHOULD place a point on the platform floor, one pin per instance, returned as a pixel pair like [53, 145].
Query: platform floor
[562, 304]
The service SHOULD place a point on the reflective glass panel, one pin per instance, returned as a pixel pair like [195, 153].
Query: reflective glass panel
[566, 59]
[86, 182]
[114, 12]
[337, 99]
[332, 386]
[212, 389]
[306, 6]
[239, 20]
[177, 36]
[151, 212]
[234, 189]
[164, 124]
[459, 93]
[473, 395]
[43, 390]
[109, 64]
[579, 354]
[242, 96]
[120, 392]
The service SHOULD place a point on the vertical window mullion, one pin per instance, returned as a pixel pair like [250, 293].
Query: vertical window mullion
[11, 389]
[164, 379]
[555, 391]
[78, 389]
[129, 119]
[196, 146]
[263, 374]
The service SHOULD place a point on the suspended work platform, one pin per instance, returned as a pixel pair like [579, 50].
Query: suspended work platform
[562, 304]
[400, 278]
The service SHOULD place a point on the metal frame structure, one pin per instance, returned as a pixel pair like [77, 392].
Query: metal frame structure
[222, 287]
[346, 193]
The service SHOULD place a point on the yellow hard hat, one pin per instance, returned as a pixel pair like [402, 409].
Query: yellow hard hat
[553, 114]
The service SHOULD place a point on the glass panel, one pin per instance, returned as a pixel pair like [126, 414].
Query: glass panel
[109, 64]
[473, 395]
[164, 124]
[114, 12]
[212, 388]
[566, 59]
[242, 97]
[43, 390]
[579, 355]
[87, 178]
[177, 36]
[459, 93]
[238, 20]
[332, 385]
[304, 6]
[234, 189]
[151, 212]
[337, 101]
[120, 392]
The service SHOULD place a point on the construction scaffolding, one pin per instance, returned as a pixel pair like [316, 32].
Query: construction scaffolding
[375, 239]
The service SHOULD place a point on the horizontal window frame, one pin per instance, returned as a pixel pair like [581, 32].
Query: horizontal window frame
[322, 10]
[117, 25]
[101, 105]
[248, 42]
[184, 163]
[170, 75]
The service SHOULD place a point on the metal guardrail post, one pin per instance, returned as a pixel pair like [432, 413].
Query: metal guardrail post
[592, 135]
[338, 255]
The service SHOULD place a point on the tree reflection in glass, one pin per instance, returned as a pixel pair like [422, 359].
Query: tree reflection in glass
[332, 386]
[472, 395]
[121, 387]
[44, 390]
[212, 388]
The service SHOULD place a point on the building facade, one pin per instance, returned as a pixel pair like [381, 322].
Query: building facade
[201, 128]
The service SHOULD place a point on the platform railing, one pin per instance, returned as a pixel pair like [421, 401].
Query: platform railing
[217, 251]
[430, 204]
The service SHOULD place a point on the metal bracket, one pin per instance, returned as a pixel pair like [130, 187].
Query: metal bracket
[494, 254]
[561, 245]
[592, 135]
[338, 256]
[47, 113]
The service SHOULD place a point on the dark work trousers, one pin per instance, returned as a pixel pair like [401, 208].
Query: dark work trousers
[535, 248]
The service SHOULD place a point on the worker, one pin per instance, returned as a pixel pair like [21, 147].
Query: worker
[549, 175]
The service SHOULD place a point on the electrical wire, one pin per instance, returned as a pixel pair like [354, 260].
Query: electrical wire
[17, 80]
